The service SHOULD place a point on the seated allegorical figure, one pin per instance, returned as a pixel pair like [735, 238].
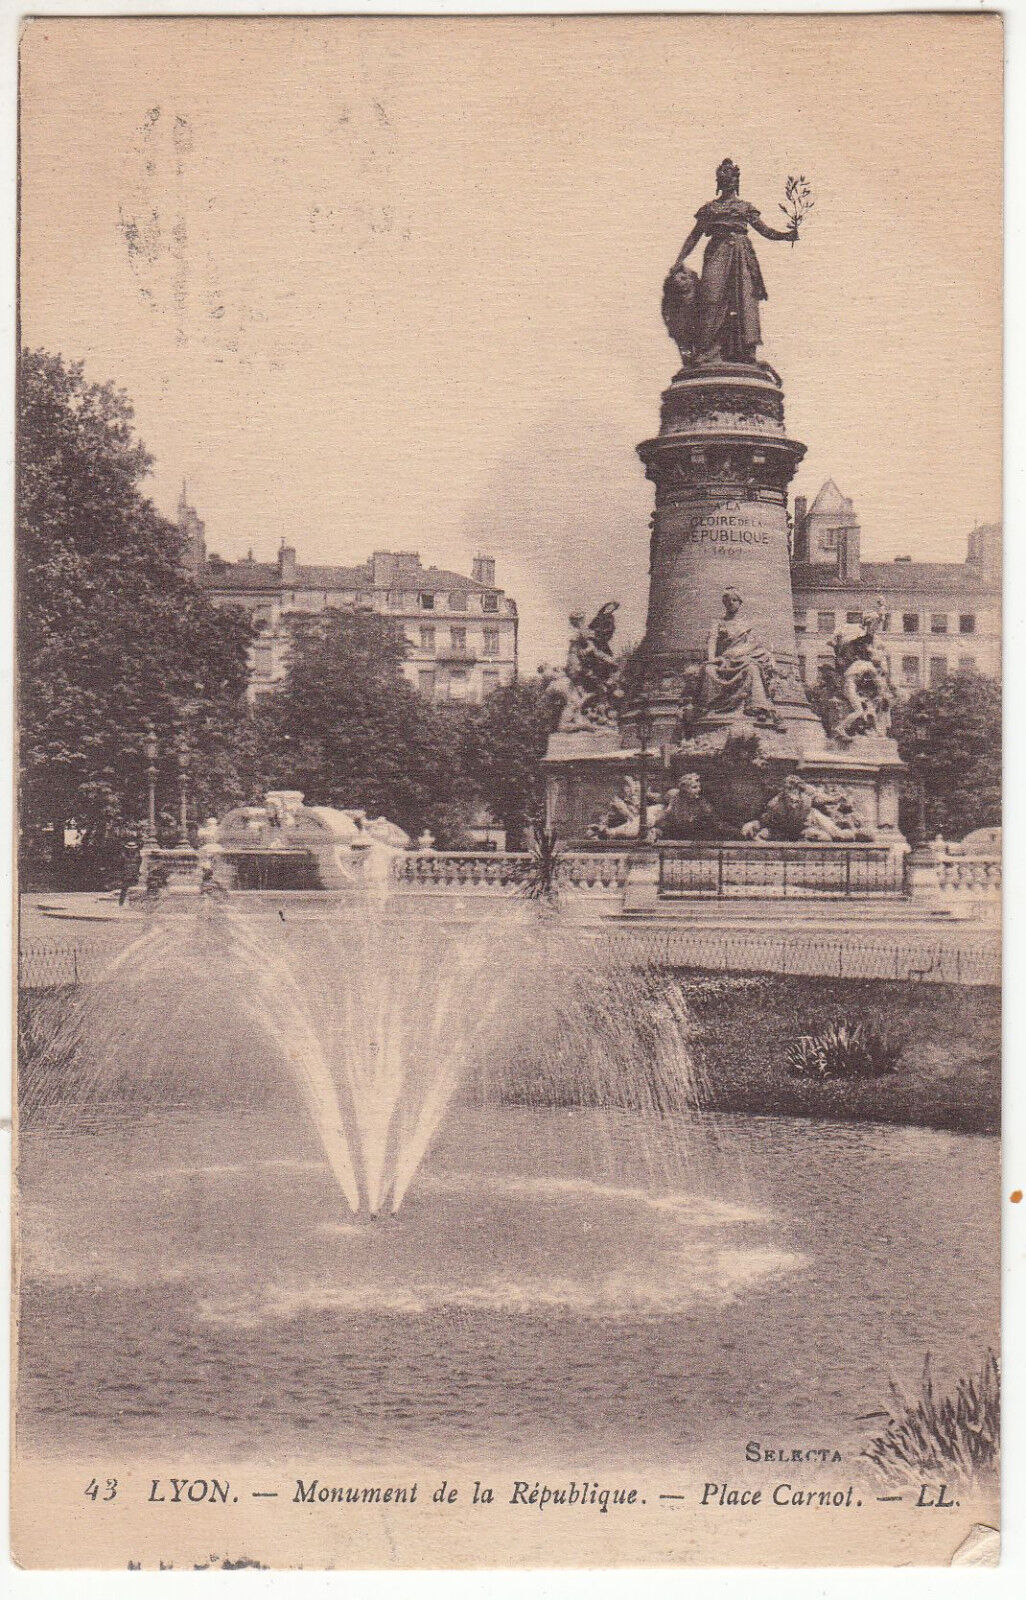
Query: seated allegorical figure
[738, 669]
[623, 816]
[687, 814]
[803, 811]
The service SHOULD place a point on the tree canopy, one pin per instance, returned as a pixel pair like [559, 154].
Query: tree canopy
[504, 746]
[950, 739]
[114, 634]
[349, 730]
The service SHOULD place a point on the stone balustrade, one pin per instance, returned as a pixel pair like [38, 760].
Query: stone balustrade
[957, 881]
[504, 871]
[977, 874]
[604, 872]
[462, 869]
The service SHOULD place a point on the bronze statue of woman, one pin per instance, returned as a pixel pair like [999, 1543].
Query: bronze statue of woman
[725, 303]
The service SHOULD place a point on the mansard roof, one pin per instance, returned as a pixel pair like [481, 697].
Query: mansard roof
[258, 575]
[907, 577]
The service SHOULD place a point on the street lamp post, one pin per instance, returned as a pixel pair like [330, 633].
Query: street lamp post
[643, 725]
[150, 749]
[182, 751]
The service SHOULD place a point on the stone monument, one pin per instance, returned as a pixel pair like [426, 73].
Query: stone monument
[713, 702]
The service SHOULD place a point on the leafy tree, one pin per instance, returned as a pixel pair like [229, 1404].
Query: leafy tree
[950, 739]
[349, 730]
[504, 746]
[114, 635]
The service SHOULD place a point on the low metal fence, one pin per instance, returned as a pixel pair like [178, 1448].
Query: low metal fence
[47, 967]
[736, 954]
[779, 871]
[866, 956]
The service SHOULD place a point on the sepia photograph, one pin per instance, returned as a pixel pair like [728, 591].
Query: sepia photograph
[508, 595]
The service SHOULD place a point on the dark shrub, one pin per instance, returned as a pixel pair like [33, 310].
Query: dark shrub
[843, 1050]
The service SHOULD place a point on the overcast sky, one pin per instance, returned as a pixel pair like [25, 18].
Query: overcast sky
[395, 285]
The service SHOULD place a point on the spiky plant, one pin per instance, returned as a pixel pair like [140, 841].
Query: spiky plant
[543, 880]
[954, 1436]
[843, 1049]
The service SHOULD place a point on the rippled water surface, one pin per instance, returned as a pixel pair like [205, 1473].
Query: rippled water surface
[198, 1282]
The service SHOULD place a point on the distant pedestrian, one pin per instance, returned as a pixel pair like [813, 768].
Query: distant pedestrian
[131, 860]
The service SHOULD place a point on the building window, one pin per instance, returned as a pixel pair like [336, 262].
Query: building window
[938, 670]
[824, 668]
[490, 602]
[910, 669]
[967, 622]
[489, 683]
[262, 661]
[853, 616]
[938, 622]
[458, 685]
[459, 638]
[458, 600]
[802, 669]
[800, 619]
[826, 621]
[427, 638]
[967, 663]
[491, 641]
[910, 622]
[426, 683]
[427, 601]
[828, 539]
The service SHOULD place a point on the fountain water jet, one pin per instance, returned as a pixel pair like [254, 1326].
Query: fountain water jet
[380, 1018]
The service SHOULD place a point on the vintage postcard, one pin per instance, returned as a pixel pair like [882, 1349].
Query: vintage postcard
[509, 704]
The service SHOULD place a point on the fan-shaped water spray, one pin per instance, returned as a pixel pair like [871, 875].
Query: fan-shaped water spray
[380, 1020]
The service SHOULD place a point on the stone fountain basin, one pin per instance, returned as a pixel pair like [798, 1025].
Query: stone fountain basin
[562, 1286]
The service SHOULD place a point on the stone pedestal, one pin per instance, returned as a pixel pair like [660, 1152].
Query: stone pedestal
[583, 770]
[721, 465]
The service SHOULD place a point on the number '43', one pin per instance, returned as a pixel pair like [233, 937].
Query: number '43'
[93, 1490]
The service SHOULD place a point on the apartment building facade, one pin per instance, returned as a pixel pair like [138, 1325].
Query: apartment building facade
[461, 631]
[942, 617]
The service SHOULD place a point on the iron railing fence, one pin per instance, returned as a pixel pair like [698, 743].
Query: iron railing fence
[54, 967]
[860, 955]
[779, 871]
[728, 951]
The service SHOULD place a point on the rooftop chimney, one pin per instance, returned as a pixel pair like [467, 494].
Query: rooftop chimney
[849, 557]
[800, 551]
[193, 533]
[984, 553]
[286, 563]
[382, 565]
[484, 571]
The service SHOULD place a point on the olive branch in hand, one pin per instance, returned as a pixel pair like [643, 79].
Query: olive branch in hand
[797, 203]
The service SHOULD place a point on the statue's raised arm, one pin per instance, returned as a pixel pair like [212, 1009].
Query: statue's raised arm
[716, 317]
